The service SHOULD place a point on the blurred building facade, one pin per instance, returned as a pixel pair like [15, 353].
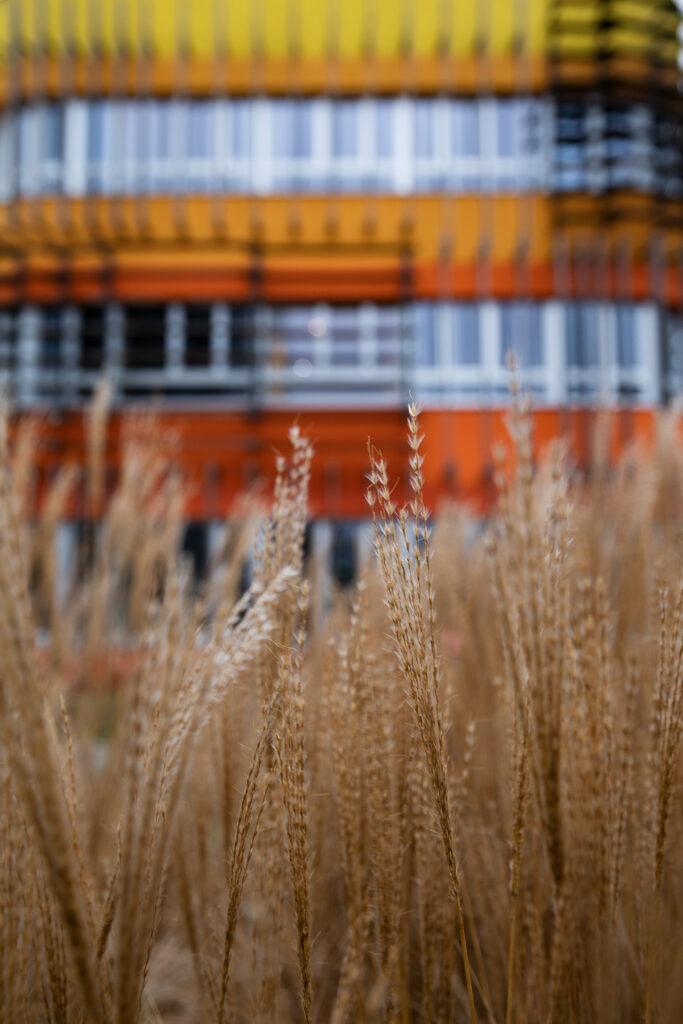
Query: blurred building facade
[245, 210]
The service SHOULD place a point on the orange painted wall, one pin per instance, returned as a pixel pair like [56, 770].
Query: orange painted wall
[222, 454]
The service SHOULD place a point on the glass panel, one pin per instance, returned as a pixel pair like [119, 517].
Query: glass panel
[95, 144]
[581, 324]
[145, 337]
[344, 336]
[144, 124]
[423, 121]
[92, 337]
[162, 138]
[345, 129]
[469, 121]
[466, 340]
[199, 130]
[302, 135]
[291, 341]
[241, 336]
[51, 338]
[161, 145]
[385, 128]
[197, 335]
[520, 333]
[241, 129]
[389, 335]
[508, 128]
[291, 125]
[425, 334]
[52, 140]
[53, 127]
[627, 345]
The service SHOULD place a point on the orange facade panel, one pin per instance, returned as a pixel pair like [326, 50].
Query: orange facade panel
[223, 234]
[380, 248]
[325, 277]
[37, 77]
[221, 455]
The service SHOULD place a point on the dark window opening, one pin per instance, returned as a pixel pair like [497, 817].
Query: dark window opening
[196, 546]
[344, 553]
[241, 337]
[92, 337]
[51, 338]
[198, 336]
[145, 337]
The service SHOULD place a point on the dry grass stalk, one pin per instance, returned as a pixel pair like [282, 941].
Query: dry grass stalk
[410, 598]
[171, 848]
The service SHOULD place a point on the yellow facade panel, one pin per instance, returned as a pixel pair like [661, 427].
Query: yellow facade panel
[278, 28]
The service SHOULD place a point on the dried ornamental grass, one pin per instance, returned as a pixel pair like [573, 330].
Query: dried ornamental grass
[461, 803]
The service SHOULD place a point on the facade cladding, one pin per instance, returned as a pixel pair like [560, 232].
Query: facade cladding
[238, 211]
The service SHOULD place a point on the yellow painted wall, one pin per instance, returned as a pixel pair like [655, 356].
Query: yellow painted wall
[315, 31]
[280, 28]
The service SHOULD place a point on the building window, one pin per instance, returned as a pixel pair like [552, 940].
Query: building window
[97, 129]
[582, 334]
[142, 145]
[200, 135]
[196, 548]
[425, 333]
[424, 143]
[390, 335]
[345, 145]
[469, 129]
[145, 327]
[466, 342]
[673, 355]
[627, 343]
[384, 129]
[292, 143]
[520, 334]
[162, 171]
[8, 323]
[344, 553]
[198, 335]
[344, 129]
[292, 337]
[241, 337]
[52, 133]
[344, 336]
[92, 338]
